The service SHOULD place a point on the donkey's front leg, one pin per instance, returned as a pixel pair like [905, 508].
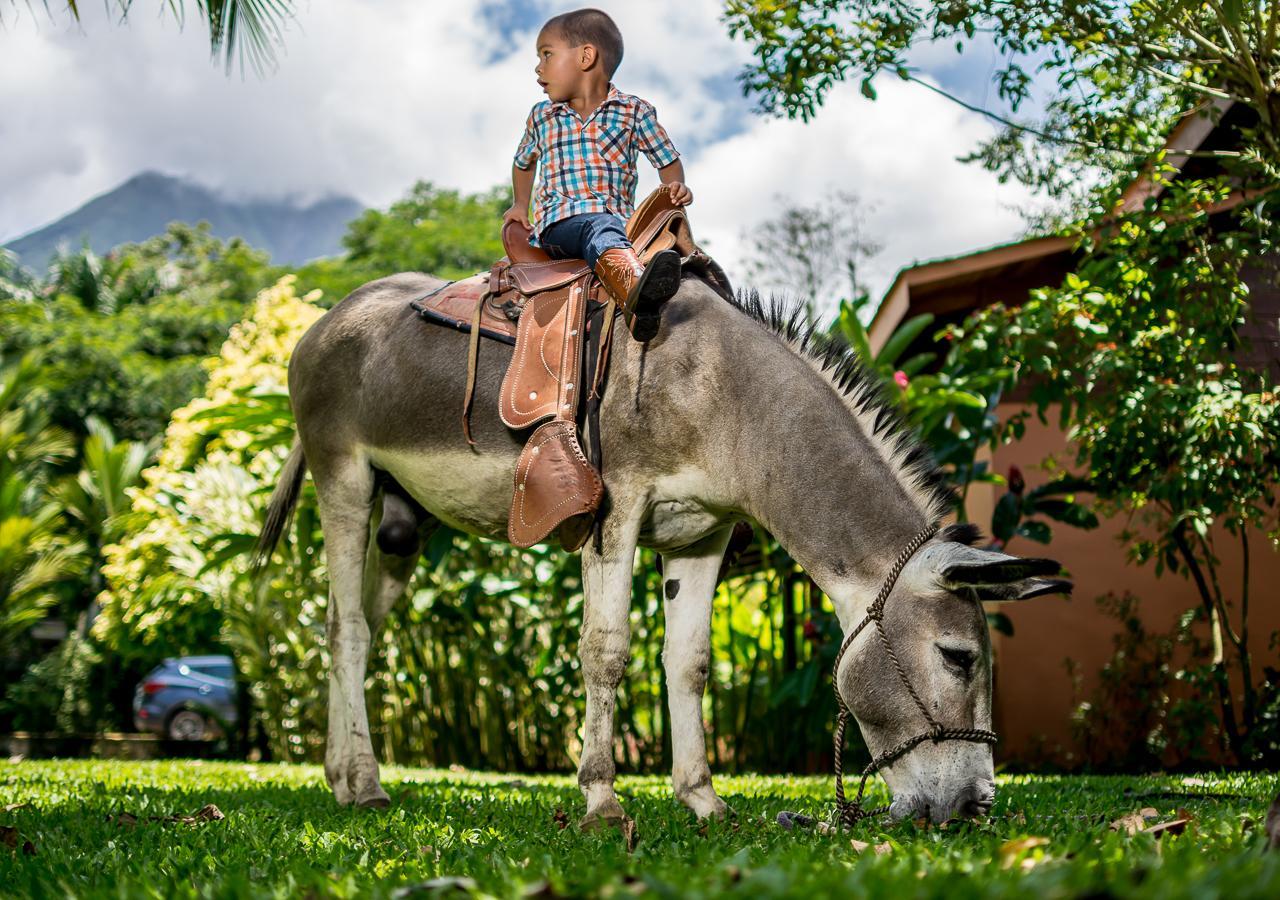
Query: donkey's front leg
[605, 650]
[689, 584]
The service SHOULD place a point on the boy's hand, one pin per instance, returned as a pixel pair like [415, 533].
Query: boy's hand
[680, 193]
[515, 214]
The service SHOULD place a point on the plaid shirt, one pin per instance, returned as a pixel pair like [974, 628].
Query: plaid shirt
[590, 167]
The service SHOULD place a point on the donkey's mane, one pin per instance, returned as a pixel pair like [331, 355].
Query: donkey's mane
[863, 395]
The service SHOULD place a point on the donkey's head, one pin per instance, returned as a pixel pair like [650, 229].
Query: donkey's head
[928, 666]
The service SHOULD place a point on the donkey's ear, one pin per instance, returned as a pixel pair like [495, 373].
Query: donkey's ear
[975, 568]
[1024, 590]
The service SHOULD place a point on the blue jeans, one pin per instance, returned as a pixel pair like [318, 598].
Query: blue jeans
[584, 236]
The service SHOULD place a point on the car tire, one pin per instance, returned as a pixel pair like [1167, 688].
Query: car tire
[187, 725]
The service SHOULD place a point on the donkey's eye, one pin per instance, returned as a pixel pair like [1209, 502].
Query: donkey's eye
[958, 657]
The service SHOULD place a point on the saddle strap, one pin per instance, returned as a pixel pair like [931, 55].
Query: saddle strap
[473, 361]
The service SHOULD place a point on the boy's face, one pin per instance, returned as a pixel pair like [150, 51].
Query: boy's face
[561, 68]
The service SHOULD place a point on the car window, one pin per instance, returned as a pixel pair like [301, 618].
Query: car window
[214, 671]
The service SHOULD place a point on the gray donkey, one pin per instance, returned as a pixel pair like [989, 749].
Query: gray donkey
[732, 411]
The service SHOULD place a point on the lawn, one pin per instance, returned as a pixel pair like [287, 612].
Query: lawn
[91, 828]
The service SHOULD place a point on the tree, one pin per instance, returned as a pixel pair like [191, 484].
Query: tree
[237, 28]
[444, 232]
[1123, 71]
[811, 250]
[123, 336]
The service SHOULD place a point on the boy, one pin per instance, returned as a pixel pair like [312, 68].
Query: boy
[585, 137]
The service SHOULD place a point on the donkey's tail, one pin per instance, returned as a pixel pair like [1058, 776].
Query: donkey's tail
[280, 508]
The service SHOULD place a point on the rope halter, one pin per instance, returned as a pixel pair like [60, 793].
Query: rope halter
[852, 812]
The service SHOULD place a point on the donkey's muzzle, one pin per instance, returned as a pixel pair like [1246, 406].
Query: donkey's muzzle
[975, 801]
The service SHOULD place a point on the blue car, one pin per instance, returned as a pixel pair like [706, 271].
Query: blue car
[192, 698]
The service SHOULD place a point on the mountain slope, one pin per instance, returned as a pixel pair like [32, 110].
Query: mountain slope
[144, 205]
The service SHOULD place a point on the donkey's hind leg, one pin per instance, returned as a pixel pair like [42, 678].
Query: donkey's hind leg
[403, 528]
[345, 493]
[689, 584]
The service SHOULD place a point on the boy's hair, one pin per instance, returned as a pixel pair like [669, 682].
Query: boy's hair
[594, 27]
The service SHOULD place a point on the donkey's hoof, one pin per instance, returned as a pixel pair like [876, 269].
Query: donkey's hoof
[606, 817]
[374, 799]
[718, 810]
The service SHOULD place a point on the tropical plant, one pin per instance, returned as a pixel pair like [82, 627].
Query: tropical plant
[35, 556]
[238, 29]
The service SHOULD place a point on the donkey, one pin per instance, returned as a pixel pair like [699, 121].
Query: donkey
[733, 411]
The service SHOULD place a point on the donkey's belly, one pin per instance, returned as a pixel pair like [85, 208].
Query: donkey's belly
[465, 490]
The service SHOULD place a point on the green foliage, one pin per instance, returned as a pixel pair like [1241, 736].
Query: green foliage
[434, 230]
[36, 559]
[70, 691]
[123, 337]
[239, 30]
[469, 834]
[16, 283]
[1122, 71]
[1140, 355]
[1153, 707]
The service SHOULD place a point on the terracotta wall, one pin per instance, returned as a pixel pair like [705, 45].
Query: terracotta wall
[1034, 694]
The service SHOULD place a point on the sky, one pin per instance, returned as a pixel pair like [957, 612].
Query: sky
[369, 96]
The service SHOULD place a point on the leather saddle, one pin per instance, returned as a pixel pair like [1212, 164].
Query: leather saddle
[560, 320]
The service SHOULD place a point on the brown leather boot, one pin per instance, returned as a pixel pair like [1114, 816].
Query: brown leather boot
[639, 290]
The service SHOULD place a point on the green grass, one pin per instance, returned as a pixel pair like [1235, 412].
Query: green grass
[284, 836]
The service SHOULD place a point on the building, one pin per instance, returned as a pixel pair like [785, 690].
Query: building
[1054, 659]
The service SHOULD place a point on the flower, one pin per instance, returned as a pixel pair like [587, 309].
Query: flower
[1017, 484]
[900, 378]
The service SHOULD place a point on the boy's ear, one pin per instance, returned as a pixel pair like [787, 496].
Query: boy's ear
[587, 56]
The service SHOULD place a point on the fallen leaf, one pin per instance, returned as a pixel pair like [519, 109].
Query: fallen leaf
[1011, 850]
[207, 813]
[629, 833]
[12, 806]
[1273, 824]
[878, 849]
[825, 828]
[9, 837]
[561, 818]
[1174, 826]
[1134, 821]
[124, 820]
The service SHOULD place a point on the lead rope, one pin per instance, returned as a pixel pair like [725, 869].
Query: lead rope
[850, 813]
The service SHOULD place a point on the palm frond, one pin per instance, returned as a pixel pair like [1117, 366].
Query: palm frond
[246, 28]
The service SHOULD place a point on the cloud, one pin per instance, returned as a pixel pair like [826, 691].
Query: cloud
[371, 95]
[897, 153]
